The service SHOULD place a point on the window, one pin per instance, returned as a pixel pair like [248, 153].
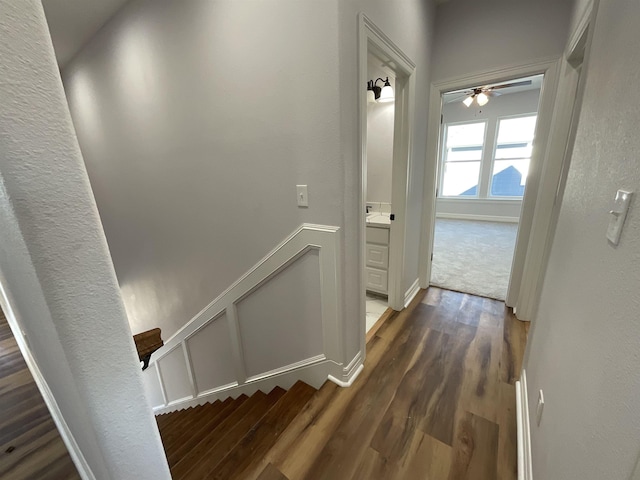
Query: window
[462, 158]
[512, 156]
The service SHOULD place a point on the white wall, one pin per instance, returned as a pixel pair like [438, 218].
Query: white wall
[583, 346]
[379, 141]
[409, 24]
[58, 283]
[197, 120]
[474, 36]
[502, 106]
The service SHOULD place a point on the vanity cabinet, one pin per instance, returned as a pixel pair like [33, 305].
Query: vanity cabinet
[377, 259]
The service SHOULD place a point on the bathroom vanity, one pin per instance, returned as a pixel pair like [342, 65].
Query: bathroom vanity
[377, 252]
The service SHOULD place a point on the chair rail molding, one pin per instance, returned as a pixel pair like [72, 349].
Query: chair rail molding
[230, 347]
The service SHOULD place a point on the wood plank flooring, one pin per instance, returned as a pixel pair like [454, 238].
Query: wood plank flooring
[436, 401]
[30, 445]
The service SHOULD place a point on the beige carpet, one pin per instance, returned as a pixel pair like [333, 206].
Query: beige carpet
[473, 257]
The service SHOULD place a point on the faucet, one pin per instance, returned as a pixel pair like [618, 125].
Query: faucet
[367, 208]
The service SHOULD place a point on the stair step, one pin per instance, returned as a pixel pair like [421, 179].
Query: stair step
[264, 433]
[170, 419]
[288, 440]
[170, 435]
[192, 438]
[178, 418]
[183, 435]
[271, 473]
[203, 459]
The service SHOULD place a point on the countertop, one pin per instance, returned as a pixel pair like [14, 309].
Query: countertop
[377, 219]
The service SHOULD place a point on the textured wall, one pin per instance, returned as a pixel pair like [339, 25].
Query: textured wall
[55, 264]
[196, 120]
[583, 347]
[473, 36]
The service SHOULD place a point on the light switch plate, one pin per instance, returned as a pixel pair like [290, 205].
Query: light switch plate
[618, 215]
[303, 195]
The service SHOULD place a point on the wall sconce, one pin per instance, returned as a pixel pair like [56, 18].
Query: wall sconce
[382, 94]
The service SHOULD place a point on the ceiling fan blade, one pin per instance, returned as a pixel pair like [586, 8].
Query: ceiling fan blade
[491, 93]
[457, 97]
[508, 85]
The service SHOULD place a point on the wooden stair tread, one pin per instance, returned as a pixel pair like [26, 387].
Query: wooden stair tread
[228, 434]
[264, 433]
[172, 434]
[191, 439]
[188, 420]
[177, 418]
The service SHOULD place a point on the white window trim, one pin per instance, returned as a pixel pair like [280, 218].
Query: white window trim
[443, 154]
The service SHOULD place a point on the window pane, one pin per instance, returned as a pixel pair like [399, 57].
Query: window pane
[509, 177]
[515, 130]
[461, 179]
[465, 135]
[464, 154]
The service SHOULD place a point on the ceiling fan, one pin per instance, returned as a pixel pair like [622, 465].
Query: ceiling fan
[481, 94]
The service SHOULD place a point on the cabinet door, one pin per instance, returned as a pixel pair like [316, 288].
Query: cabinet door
[377, 256]
[377, 280]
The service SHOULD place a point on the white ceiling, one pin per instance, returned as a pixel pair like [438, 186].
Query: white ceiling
[73, 22]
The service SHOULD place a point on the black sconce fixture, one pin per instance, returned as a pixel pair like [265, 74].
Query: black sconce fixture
[380, 94]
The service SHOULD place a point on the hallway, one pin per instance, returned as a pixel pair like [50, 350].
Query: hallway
[436, 400]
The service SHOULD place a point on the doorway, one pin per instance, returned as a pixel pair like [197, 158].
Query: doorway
[486, 138]
[532, 221]
[383, 67]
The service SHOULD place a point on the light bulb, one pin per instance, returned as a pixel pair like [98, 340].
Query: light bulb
[468, 101]
[482, 99]
[386, 95]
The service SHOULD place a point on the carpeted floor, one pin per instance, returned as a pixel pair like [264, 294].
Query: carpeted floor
[473, 257]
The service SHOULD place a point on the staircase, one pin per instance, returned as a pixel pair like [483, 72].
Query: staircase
[225, 439]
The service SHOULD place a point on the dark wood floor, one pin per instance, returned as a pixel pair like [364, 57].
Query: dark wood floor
[435, 401]
[30, 445]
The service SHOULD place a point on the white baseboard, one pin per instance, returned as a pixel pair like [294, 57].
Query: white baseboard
[480, 218]
[525, 471]
[350, 381]
[314, 374]
[412, 292]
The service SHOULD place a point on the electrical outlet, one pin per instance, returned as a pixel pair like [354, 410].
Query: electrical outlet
[540, 406]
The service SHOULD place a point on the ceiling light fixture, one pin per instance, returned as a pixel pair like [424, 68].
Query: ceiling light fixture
[479, 95]
[382, 94]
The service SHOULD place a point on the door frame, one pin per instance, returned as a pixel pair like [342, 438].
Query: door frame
[550, 70]
[372, 39]
[560, 149]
